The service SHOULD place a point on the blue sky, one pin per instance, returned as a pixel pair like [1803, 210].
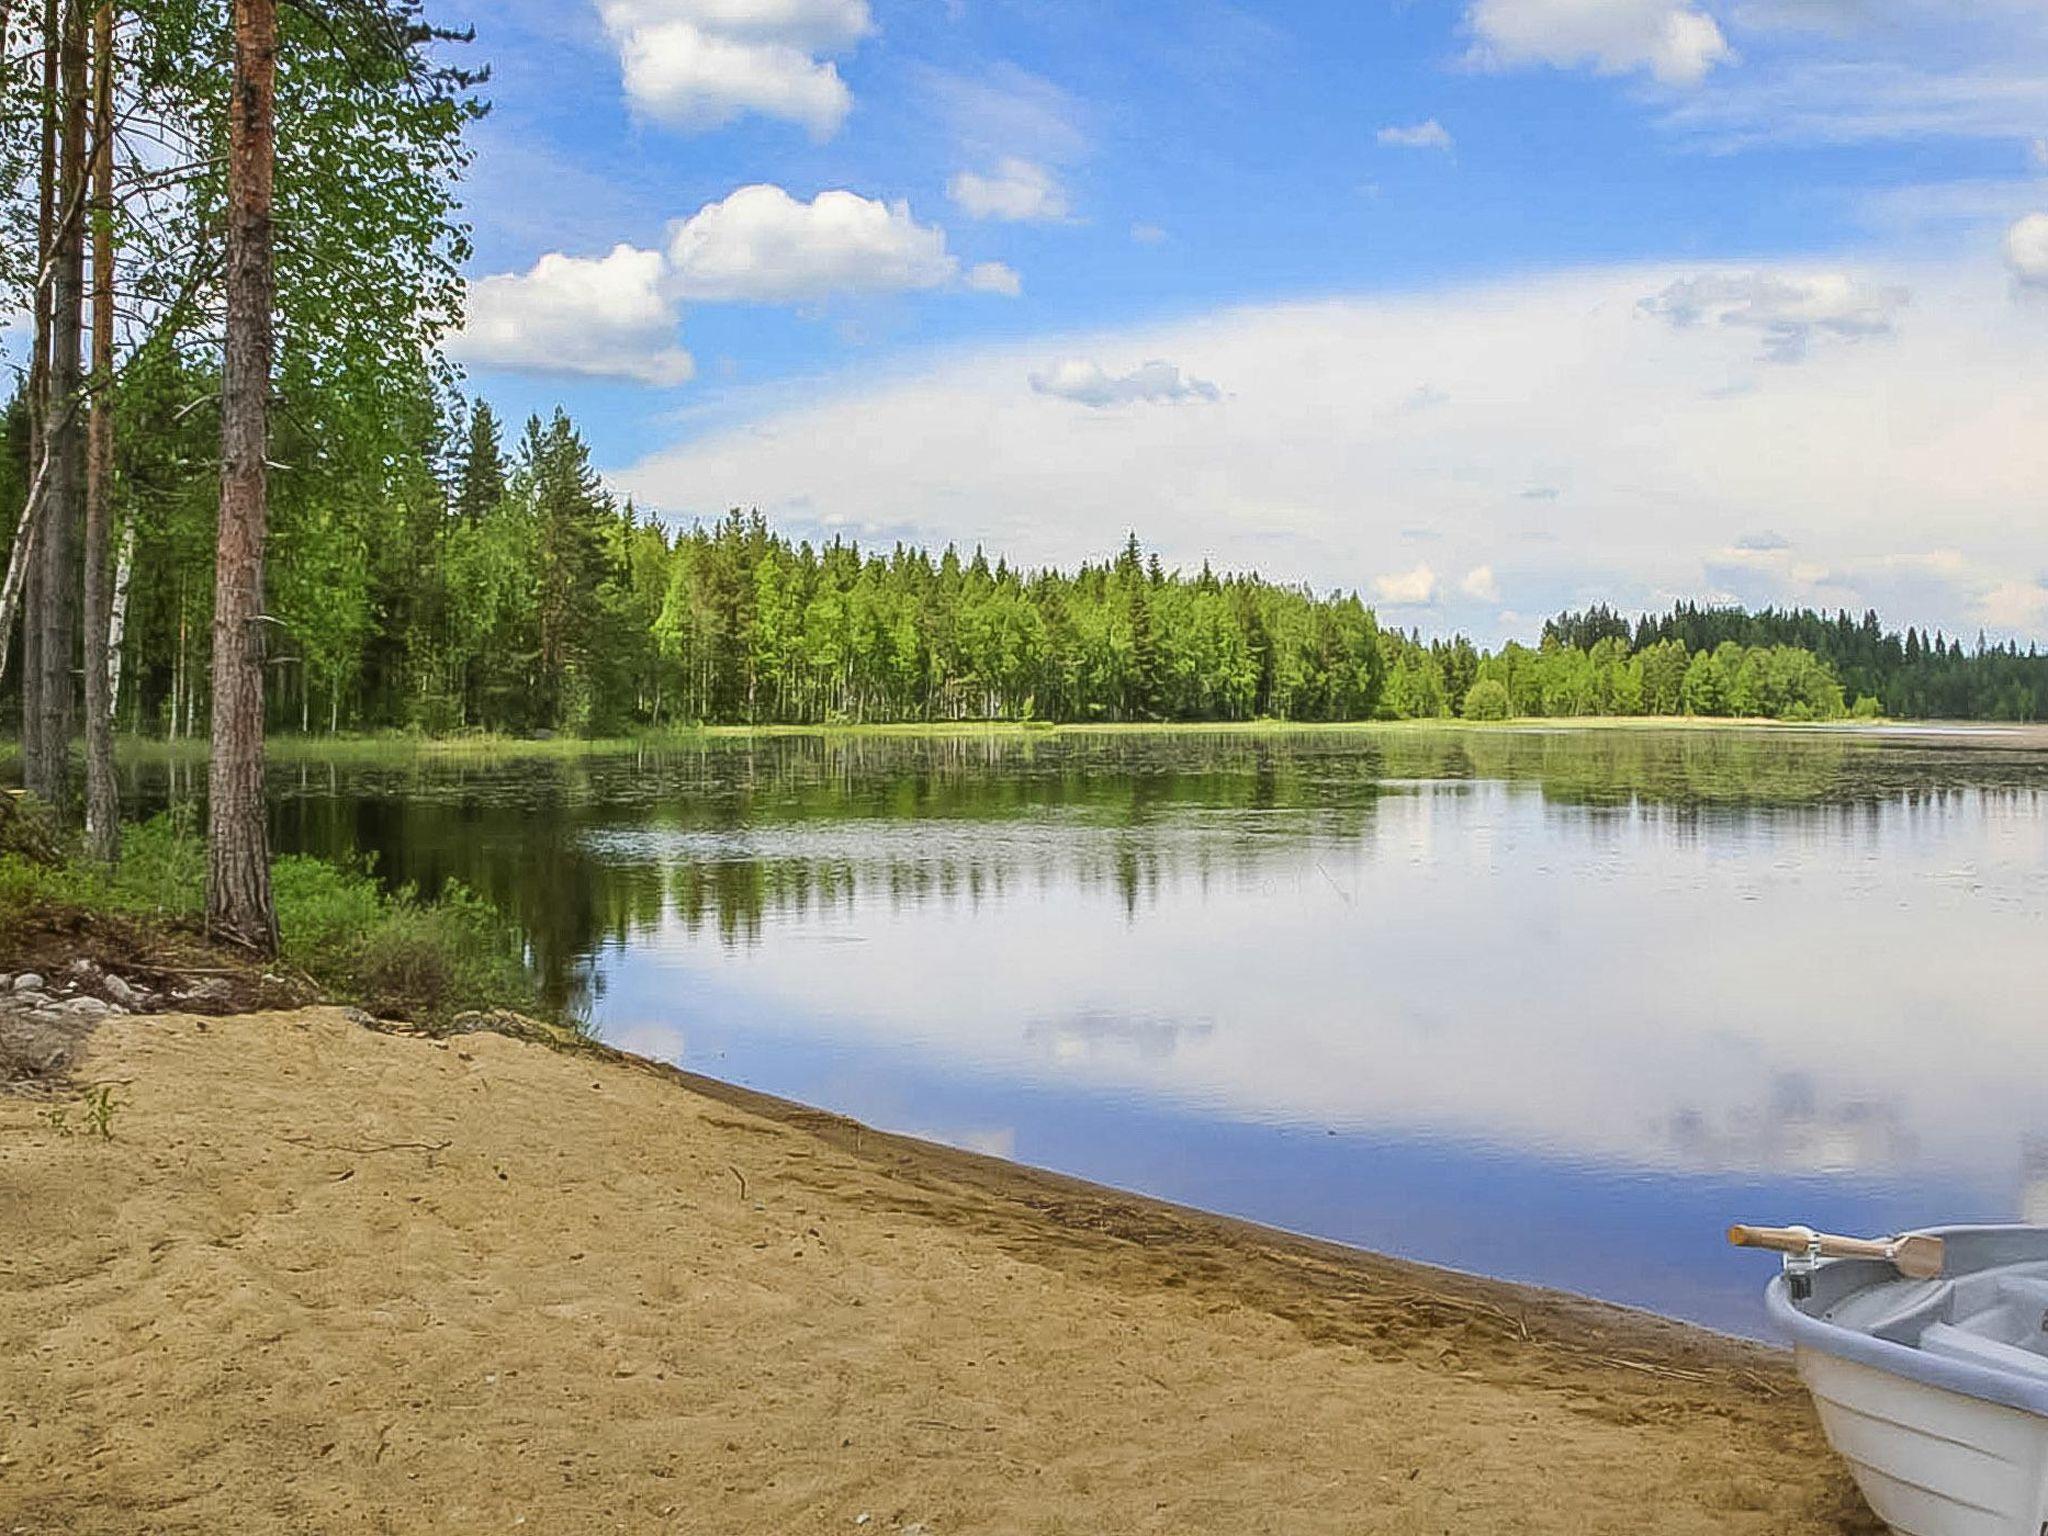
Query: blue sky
[1478, 306]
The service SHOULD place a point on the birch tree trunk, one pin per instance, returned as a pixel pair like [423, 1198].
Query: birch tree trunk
[102, 799]
[238, 898]
[117, 619]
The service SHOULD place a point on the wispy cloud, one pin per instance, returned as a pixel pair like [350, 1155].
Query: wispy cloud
[1425, 135]
[1673, 40]
[1016, 190]
[1789, 310]
[1865, 71]
[1004, 111]
[1089, 383]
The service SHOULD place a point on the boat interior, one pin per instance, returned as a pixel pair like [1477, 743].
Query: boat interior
[1994, 1318]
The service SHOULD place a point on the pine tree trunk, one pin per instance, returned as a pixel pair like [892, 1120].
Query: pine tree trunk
[25, 571]
[102, 799]
[238, 900]
[58, 562]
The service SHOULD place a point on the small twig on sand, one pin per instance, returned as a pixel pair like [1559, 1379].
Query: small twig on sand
[382, 1146]
[741, 1177]
[1653, 1370]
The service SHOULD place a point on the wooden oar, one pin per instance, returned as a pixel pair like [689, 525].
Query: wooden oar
[1916, 1255]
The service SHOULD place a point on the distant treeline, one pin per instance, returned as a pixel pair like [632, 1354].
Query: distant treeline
[1912, 675]
[464, 587]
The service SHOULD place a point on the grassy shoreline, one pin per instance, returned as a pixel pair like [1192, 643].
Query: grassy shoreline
[397, 746]
[343, 936]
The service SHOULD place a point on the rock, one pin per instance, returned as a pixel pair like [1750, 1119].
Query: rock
[88, 1008]
[28, 981]
[116, 990]
[213, 989]
[84, 969]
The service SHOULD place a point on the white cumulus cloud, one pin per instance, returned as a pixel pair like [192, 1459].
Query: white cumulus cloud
[598, 317]
[1018, 191]
[1788, 309]
[2026, 250]
[698, 64]
[761, 245]
[1674, 40]
[1407, 589]
[1480, 585]
[1089, 383]
[1426, 135]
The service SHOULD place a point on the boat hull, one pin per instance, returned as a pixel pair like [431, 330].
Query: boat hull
[1932, 1462]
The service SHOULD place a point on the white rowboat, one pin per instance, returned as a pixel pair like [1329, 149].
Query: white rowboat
[1927, 1357]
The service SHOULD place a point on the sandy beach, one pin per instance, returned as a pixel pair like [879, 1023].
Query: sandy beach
[324, 1278]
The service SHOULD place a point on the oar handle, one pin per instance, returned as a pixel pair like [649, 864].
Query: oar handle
[1917, 1255]
[1806, 1240]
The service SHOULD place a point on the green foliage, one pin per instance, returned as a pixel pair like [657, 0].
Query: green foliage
[1607, 678]
[1910, 675]
[391, 952]
[1487, 699]
[369, 247]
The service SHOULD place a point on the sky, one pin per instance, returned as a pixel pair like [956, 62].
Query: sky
[1481, 308]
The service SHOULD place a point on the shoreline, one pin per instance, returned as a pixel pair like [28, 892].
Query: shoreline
[286, 747]
[342, 1245]
[1539, 1313]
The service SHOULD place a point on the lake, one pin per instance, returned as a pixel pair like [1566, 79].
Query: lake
[1551, 1005]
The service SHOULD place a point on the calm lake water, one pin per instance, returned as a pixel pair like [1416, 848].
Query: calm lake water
[1554, 1006]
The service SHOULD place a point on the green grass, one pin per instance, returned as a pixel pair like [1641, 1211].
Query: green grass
[393, 953]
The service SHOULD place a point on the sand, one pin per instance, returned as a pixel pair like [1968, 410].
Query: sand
[328, 1279]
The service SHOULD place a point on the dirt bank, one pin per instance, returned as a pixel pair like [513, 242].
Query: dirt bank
[326, 1279]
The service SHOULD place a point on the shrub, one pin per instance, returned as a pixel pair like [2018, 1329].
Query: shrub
[394, 953]
[390, 951]
[1486, 699]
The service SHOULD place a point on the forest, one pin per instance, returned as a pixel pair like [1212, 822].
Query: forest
[471, 584]
[500, 587]
[232, 234]
[1915, 675]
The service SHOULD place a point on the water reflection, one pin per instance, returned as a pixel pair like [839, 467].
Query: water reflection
[1426, 991]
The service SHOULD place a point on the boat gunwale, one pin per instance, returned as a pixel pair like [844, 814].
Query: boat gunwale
[1984, 1383]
